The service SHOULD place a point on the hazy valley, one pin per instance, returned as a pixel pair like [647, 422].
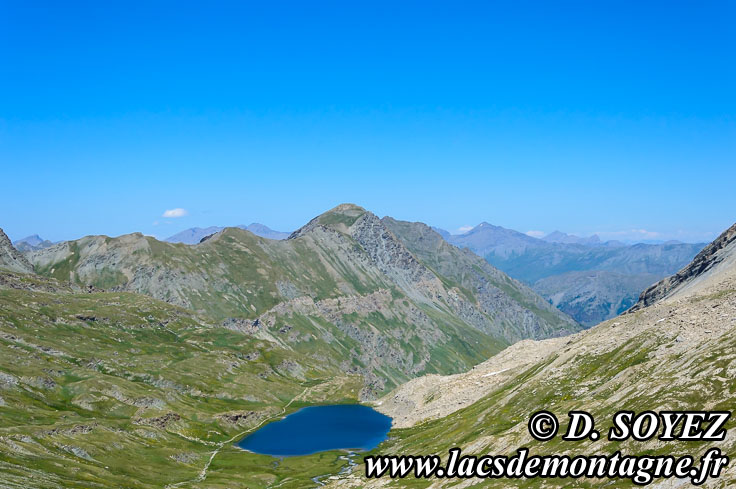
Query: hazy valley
[588, 279]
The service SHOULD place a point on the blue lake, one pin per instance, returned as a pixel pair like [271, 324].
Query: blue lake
[318, 429]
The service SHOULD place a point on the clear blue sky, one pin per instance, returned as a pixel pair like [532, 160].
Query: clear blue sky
[580, 116]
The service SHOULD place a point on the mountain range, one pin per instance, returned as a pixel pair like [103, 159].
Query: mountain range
[560, 237]
[367, 294]
[195, 235]
[588, 279]
[29, 243]
[584, 277]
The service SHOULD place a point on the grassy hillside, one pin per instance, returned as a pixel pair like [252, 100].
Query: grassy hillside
[120, 390]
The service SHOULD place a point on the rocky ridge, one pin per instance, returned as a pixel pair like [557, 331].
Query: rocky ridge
[718, 256]
[10, 258]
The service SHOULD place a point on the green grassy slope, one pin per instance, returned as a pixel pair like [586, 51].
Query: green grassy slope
[120, 390]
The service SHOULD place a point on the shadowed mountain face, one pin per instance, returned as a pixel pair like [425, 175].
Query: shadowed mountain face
[515, 307]
[347, 287]
[196, 235]
[589, 280]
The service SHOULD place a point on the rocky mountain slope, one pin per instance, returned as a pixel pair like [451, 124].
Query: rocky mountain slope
[10, 258]
[343, 288]
[679, 353]
[195, 235]
[556, 267]
[515, 307]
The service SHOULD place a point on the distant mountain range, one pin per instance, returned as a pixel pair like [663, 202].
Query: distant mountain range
[588, 279]
[560, 237]
[34, 242]
[196, 235]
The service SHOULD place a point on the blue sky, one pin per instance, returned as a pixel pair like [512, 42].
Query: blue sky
[609, 117]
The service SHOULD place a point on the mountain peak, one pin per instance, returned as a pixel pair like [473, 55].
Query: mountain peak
[338, 218]
[560, 237]
[33, 239]
[555, 235]
[30, 243]
[347, 208]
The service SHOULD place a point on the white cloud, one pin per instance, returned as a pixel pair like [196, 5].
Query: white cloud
[464, 229]
[178, 212]
[536, 234]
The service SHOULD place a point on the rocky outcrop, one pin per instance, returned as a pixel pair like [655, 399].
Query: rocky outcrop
[721, 253]
[392, 258]
[10, 258]
[163, 421]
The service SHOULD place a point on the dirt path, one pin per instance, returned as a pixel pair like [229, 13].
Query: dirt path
[203, 473]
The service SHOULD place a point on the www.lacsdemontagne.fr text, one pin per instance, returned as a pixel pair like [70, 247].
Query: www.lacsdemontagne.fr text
[641, 469]
[543, 426]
